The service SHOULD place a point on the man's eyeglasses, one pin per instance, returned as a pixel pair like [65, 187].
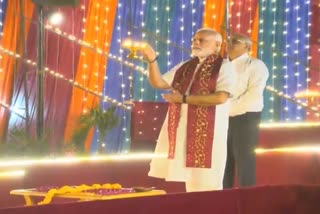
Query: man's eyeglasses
[234, 41]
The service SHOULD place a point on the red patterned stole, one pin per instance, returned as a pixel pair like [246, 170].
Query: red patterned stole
[200, 121]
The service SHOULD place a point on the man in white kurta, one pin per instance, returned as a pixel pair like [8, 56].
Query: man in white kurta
[205, 43]
[245, 112]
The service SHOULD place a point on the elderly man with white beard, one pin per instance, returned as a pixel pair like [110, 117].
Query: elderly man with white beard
[194, 134]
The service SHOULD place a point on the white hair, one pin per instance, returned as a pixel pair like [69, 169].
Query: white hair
[242, 37]
[209, 31]
[212, 32]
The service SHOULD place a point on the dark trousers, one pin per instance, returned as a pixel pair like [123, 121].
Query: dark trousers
[242, 139]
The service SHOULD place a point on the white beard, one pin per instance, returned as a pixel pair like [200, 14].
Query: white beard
[200, 53]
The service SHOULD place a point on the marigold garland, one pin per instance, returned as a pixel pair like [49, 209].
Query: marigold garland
[76, 189]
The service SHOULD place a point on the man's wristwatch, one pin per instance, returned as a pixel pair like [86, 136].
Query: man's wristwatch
[184, 98]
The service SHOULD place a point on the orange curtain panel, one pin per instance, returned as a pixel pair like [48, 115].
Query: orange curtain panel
[92, 65]
[214, 15]
[255, 33]
[11, 29]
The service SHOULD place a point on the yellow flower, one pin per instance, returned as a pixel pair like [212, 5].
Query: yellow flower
[83, 187]
[107, 186]
[116, 186]
[96, 186]
[68, 189]
[47, 199]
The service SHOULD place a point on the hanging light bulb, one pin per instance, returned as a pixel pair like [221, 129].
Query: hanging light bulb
[55, 18]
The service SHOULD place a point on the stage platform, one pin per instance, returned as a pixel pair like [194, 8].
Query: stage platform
[290, 199]
[285, 173]
[272, 169]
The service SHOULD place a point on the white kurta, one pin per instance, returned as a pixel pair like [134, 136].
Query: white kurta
[252, 76]
[175, 169]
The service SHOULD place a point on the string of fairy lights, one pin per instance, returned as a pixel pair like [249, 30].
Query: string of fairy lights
[298, 72]
[107, 99]
[123, 85]
[121, 103]
[70, 81]
[285, 67]
[308, 35]
[274, 55]
[238, 14]
[295, 26]
[85, 66]
[142, 79]
[236, 8]
[229, 15]
[157, 32]
[168, 55]
[181, 27]
[249, 31]
[194, 12]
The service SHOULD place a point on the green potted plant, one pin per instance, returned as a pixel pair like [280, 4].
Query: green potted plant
[103, 120]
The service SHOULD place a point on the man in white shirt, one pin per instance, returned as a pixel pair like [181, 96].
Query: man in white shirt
[194, 135]
[245, 111]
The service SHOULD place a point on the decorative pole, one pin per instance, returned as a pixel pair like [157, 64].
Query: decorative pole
[40, 72]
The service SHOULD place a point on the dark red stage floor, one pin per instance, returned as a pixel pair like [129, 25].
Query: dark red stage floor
[290, 199]
[272, 169]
